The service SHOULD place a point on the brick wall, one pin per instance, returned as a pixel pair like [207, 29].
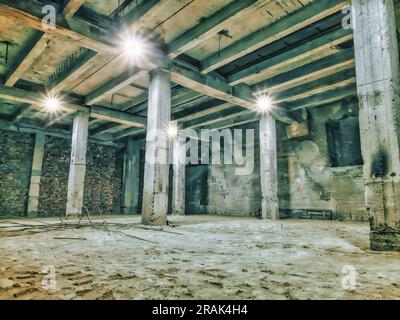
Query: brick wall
[16, 152]
[103, 181]
[54, 182]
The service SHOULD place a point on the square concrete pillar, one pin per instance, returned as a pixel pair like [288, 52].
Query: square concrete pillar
[268, 167]
[131, 177]
[77, 169]
[156, 173]
[377, 69]
[36, 174]
[178, 155]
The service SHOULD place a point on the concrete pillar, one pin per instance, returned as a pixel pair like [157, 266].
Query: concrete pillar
[377, 68]
[77, 169]
[131, 177]
[268, 168]
[36, 174]
[156, 173]
[178, 154]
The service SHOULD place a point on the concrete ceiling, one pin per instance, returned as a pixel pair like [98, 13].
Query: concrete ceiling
[294, 49]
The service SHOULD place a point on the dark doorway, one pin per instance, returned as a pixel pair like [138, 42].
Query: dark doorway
[344, 142]
[196, 189]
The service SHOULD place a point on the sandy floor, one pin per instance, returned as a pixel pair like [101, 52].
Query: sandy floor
[203, 257]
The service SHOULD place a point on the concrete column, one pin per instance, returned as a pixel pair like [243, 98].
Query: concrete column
[131, 177]
[77, 169]
[377, 69]
[36, 174]
[178, 154]
[268, 167]
[156, 173]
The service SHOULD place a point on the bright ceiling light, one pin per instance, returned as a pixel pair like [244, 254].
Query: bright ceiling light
[264, 103]
[52, 104]
[134, 47]
[172, 131]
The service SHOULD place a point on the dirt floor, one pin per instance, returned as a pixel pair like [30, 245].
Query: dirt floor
[198, 257]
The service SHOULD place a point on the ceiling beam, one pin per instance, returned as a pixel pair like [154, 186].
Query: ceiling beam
[323, 98]
[65, 114]
[85, 34]
[239, 119]
[37, 45]
[202, 111]
[114, 85]
[60, 133]
[335, 70]
[75, 72]
[116, 14]
[328, 89]
[333, 81]
[32, 98]
[117, 117]
[17, 116]
[271, 33]
[244, 117]
[240, 95]
[104, 128]
[187, 39]
[193, 113]
[72, 7]
[36, 100]
[312, 71]
[211, 86]
[216, 117]
[139, 11]
[181, 98]
[128, 133]
[334, 86]
[323, 44]
[139, 103]
[135, 103]
[183, 43]
[208, 27]
[190, 105]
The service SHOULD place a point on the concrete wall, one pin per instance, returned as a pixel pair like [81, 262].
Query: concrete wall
[306, 178]
[103, 185]
[311, 181]
[230, 194]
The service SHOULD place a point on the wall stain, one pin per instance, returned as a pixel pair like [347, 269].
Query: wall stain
[380, 168]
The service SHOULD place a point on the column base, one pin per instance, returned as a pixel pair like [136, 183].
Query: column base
[131, 212]
[31, 215]
[385, 241]
[72, 216]
[161, 222]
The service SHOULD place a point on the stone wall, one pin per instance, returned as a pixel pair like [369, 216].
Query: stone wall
[16, 153]
[103, 182]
